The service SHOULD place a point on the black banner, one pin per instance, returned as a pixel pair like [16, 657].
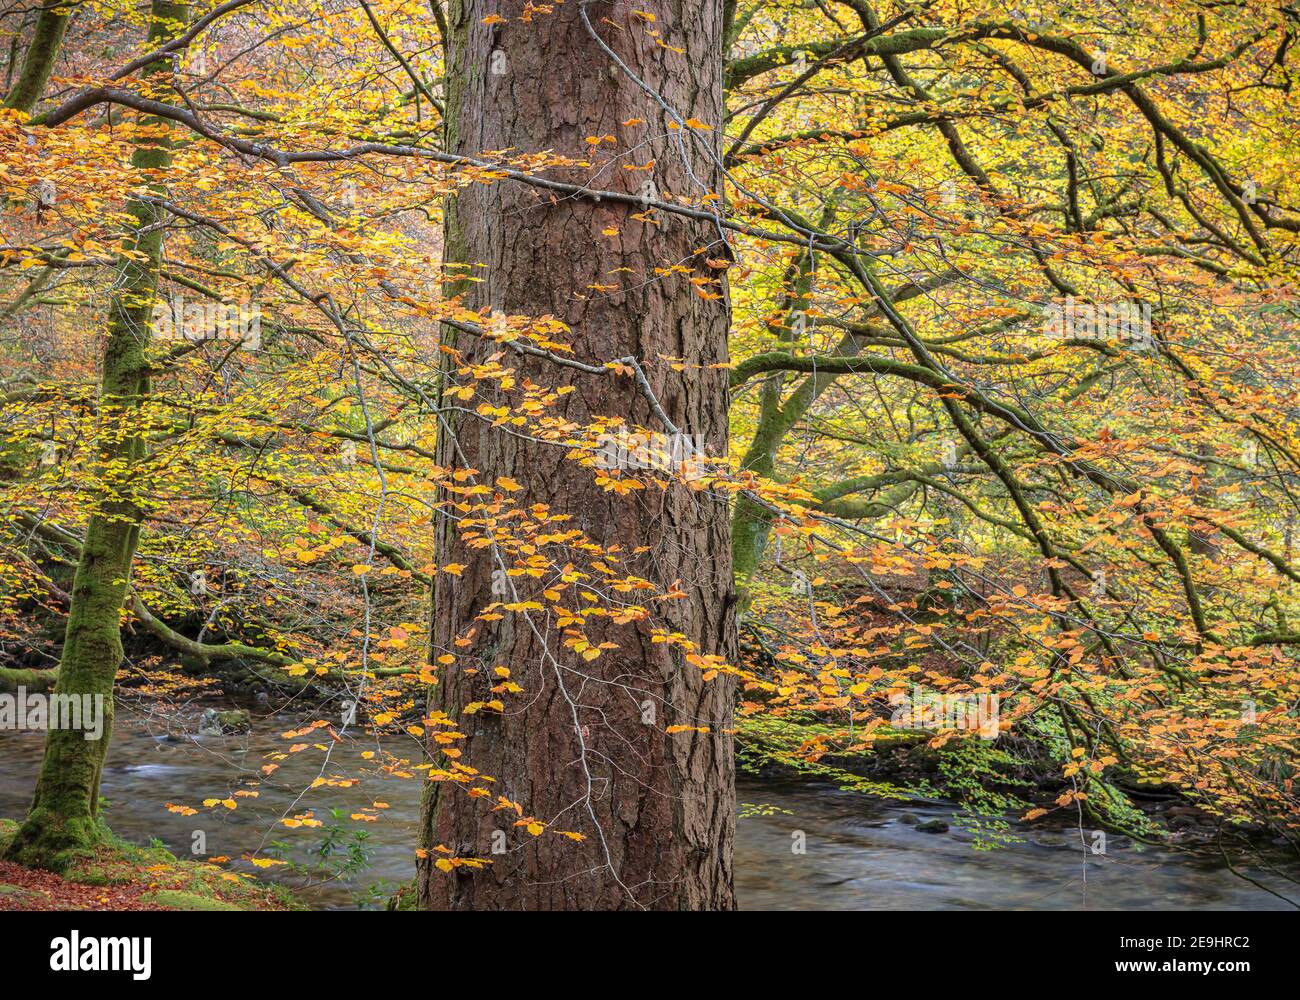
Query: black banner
[151, 950]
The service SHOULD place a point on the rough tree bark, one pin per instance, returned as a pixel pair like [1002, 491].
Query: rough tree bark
[64, 817]
[658, 810]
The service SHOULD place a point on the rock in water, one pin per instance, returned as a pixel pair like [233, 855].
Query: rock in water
[214, 723]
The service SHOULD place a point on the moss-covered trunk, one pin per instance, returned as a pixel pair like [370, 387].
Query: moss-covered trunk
[42, 51]
[63, 819]
[752, 523]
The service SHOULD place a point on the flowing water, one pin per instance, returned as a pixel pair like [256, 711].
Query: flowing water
[858, 852]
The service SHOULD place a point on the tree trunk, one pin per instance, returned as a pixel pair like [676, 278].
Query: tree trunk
[63, 821]
[42, 52]
[586, 746]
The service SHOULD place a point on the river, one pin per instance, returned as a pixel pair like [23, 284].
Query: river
[858, 852]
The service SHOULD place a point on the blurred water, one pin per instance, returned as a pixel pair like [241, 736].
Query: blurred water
[859, 854]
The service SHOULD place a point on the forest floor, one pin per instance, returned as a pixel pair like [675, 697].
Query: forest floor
[121, 876]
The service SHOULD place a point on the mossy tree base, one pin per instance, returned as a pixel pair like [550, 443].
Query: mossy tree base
[54, 841]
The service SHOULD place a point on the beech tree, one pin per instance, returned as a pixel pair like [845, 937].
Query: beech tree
[64, 815]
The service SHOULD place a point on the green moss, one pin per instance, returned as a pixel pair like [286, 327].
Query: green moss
[42, 51]
[55, 840]
[765, 743]
[31, 680]
[176, 899]
[126, 863]
[787, 735]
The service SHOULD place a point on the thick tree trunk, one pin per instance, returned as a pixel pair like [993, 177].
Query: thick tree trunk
[63, 820]
[586, 746]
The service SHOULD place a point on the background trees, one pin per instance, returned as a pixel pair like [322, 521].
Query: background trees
[1010, 374]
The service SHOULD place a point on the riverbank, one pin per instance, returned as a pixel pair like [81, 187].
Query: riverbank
[124, 876]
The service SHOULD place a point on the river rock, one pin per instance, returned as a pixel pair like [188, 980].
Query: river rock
[214, 723]
[932, 826]
[235, 721]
